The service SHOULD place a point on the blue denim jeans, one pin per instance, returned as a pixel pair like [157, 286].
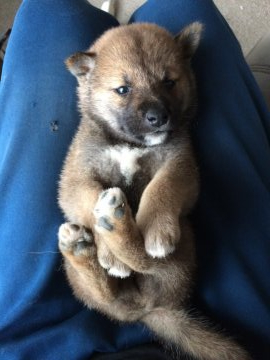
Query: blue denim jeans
[40, 318]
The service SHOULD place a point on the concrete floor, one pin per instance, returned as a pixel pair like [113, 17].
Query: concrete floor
[249, 19]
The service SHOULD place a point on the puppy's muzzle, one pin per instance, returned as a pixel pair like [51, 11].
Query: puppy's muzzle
[157, 117]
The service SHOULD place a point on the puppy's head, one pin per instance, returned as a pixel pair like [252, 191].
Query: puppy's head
[136, 80]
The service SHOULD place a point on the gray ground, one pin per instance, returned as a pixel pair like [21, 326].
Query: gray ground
[250, 19]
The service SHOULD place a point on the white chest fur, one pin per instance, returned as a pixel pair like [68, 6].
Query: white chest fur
[127, 159]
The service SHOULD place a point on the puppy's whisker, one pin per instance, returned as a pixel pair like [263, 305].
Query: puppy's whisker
[42, 252]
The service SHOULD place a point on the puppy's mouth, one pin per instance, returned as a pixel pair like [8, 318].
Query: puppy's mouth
[149, 137]
[158, 132]
[157, 137]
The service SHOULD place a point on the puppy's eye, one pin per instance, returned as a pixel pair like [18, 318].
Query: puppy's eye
[123, 90]
[169, 83]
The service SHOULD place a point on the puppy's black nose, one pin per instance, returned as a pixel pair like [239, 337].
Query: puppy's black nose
[157, 118]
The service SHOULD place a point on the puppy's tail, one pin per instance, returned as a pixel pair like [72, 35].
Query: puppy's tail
[193, 336]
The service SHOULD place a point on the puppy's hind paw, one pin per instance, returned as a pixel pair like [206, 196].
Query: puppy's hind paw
[75, 239]
[111, 213]
[110, 208]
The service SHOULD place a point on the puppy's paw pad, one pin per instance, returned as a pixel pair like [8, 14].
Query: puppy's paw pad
[75, 239]
[158, 249]
[104, 222]
[111, 206]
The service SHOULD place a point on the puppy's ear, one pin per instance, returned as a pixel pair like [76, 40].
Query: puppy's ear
[188, 39]
[81, 63]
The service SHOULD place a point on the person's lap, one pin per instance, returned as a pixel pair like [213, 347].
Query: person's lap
[39, 117]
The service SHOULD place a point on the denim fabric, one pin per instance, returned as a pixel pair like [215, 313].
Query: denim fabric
[40, 319]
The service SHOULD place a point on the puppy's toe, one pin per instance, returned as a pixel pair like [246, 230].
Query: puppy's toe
[75, 239]
[110, 207]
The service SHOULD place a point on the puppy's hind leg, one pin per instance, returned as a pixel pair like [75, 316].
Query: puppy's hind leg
[88, 279]
[119, 299]
[117, 228]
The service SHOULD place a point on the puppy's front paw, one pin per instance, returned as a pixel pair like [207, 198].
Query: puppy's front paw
[161, 234]
[75, 240]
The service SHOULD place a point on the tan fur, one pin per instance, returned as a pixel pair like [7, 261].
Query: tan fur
[131, 212]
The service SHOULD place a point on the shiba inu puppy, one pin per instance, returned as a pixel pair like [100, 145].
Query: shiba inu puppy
[130, 180]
